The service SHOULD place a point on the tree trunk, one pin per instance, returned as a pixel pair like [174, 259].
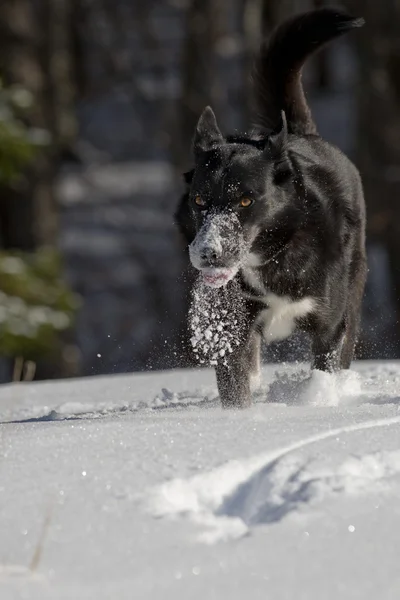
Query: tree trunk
[200, 82]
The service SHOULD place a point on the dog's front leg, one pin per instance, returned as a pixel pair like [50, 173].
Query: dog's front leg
[233, 377]
[326, 347]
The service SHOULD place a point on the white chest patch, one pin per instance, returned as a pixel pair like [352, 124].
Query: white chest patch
[250, 274]
[252, 278]
[279, 320]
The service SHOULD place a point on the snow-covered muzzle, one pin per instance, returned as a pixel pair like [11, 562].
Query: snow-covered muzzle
[218, 248]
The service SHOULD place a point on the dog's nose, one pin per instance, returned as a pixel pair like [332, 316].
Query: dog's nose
[210, 254]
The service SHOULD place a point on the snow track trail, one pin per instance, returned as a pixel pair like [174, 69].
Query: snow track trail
[263, 489]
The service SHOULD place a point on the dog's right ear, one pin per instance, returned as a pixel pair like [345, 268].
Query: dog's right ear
[277, 149]
[277, 141]
[207, 134]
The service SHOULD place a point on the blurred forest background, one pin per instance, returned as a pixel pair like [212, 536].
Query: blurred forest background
[98, 103]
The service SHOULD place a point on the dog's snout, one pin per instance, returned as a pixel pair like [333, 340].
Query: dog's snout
[217, 243]
[210, 254]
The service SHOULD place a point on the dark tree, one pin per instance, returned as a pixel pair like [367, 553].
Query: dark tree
[35, 55]
[378, 126]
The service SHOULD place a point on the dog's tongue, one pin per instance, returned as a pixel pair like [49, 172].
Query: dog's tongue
[217, 277]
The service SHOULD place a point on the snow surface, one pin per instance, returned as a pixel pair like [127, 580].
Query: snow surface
[141, 486]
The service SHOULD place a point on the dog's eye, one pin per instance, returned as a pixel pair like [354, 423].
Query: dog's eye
[246, 202]
[199, 201]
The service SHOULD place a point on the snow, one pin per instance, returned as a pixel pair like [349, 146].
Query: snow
[141, 486]
[216, 318]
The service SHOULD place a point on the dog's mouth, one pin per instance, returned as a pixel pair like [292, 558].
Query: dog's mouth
[218, 277]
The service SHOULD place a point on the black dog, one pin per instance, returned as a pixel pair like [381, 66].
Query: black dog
[279, 214]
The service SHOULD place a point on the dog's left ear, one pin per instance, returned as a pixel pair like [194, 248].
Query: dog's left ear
[277, 149]
[277, 141]
[207, 134]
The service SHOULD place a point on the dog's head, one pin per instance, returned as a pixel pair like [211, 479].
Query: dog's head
[238, 189]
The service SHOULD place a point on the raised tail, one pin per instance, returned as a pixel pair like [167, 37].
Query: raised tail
[278, 68]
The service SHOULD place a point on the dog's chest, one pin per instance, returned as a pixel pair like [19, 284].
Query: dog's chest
[279, 319]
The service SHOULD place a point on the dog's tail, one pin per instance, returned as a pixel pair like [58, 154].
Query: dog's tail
[278, 68]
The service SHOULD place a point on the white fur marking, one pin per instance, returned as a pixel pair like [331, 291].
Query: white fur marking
[279, 320]
[250, 273]
[253, 279]
[253, 260]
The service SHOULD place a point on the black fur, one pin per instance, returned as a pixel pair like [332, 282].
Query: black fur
[307, 220]
[277, 72]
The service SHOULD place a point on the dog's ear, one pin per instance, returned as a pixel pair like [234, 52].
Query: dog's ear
[277, 140]
[207, 134]
[277, 150]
